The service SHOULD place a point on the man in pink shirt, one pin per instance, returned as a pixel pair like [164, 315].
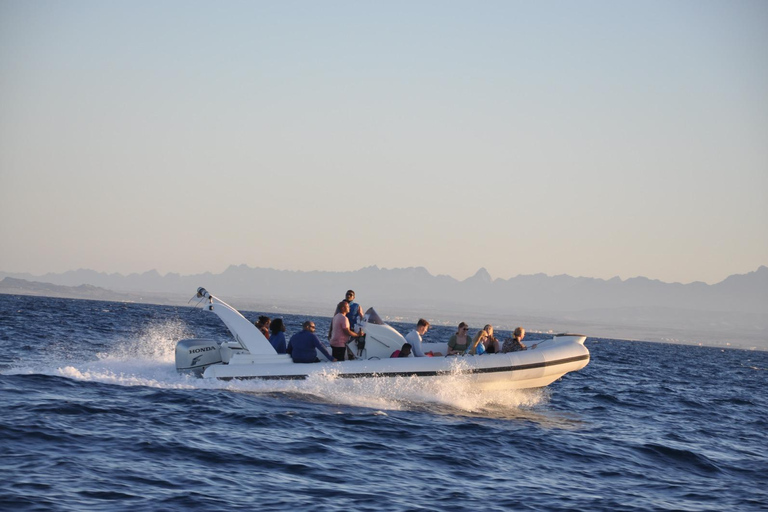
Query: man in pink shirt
[340, 332]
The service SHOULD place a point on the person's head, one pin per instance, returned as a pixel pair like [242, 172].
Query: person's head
[422, 326]
[463, 328]
[309, 325]
[405, 351]
[489, 329]
[277, 326]
[350, 295]
[343, 307]
[263, 321]
[519, 333]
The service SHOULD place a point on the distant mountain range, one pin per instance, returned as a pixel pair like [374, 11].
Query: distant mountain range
[15, 286]
[733, 311]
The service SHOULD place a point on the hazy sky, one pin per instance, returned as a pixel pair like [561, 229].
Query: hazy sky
[593, 138]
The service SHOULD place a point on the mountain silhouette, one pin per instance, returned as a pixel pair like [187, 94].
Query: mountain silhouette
[735, 309]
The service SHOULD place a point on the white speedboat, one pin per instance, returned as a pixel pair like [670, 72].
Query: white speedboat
[251, 356]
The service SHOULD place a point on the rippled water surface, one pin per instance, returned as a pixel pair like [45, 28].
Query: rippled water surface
[94, 417]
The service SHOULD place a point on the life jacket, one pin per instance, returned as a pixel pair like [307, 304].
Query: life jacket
[353, 316]
[396, 353]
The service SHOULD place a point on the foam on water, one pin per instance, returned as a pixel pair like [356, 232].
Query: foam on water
[155, 341]
[144, 359]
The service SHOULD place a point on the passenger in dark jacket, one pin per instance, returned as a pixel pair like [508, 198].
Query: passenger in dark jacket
[278, 335]
[302, 345]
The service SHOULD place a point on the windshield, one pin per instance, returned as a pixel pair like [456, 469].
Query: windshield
[372, 317]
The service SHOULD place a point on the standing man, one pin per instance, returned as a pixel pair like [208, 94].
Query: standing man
[355, 311]
[414, 337]
[340, 331]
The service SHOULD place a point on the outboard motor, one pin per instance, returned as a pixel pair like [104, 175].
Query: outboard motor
[195, 355]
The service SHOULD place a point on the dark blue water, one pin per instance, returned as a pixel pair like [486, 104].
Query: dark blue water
[94, 417]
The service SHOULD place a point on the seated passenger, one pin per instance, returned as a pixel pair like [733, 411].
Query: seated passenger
[302, 345]
[278, 335]
[414, 338]
[516, 342]
[263, 325]
[460, 341]
[480, 339]
[405, 351]
[491, 343]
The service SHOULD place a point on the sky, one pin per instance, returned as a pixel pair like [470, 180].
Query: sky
[591, 138]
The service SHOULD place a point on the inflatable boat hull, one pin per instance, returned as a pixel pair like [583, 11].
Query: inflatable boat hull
[251, 356]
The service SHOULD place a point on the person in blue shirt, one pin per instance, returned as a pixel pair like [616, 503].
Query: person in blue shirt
[277, 327]
[355, 311]
[302, 345]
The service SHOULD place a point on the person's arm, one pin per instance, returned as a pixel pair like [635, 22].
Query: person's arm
[330, 327]
[350, 332]
[322, 349]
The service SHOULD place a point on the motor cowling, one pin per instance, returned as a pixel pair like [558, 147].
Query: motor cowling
[195, 355]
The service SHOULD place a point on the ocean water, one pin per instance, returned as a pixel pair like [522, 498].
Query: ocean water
[94, 417]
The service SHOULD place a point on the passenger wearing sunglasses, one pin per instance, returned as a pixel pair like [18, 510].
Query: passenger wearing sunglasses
[460, 341]
[303, 345]
[355, 311]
